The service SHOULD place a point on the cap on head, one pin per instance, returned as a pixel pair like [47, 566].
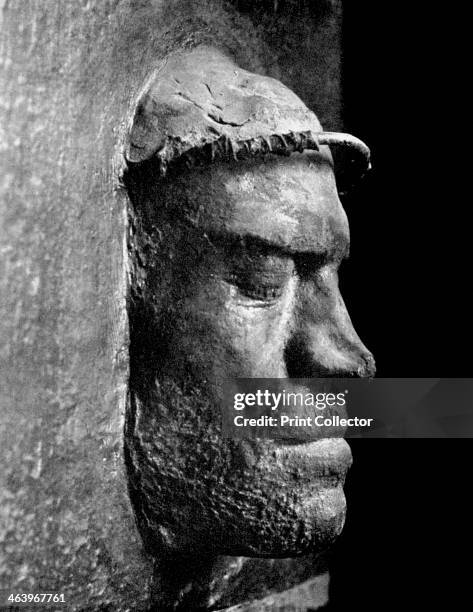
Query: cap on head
[200, 105]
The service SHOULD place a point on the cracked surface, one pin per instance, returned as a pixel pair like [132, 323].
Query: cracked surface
[199, 96]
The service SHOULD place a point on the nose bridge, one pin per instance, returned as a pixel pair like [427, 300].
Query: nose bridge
[324, 341]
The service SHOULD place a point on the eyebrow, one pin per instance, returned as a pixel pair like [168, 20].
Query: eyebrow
[339, 250]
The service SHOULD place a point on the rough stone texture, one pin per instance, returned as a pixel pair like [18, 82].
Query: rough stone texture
[202, 95]
[201, 106]
[71, 73]
[66, 522]
[233, 274]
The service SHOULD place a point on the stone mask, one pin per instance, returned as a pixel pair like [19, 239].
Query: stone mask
[236, 236]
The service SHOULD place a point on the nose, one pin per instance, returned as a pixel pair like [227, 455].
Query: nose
[323, 342]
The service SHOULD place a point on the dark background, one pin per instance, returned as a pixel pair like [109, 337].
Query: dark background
[407, 540]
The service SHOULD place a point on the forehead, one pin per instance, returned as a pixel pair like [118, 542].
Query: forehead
[290, 201]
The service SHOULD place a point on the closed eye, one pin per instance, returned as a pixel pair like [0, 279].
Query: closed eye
[260, 277]
[264, 293]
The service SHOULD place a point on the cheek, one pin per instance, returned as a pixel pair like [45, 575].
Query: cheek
[254, 335]
[218, 333]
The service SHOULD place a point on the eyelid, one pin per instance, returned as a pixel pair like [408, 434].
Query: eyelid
[263, 294]
[260, 287]
[248, 281]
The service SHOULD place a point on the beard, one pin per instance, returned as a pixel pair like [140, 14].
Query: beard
[195, 491]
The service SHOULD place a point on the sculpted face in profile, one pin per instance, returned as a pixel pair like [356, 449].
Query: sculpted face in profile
[237, 234]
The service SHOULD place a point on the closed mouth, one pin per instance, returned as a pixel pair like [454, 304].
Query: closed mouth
[326, 459]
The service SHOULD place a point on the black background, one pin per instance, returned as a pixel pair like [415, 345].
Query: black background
[407, 540]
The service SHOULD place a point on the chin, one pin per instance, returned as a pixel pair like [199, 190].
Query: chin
[291, 522]
[291, 499]
[293, 525]
[196, 493]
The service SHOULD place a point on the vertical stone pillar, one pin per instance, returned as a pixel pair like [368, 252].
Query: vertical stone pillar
[70, 74]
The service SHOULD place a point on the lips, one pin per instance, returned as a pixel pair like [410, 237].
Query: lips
[325, 461]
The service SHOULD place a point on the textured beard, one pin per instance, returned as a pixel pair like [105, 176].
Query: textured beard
[197, 492]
